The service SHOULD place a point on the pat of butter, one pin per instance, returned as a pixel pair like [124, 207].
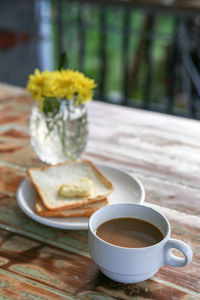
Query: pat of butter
[80, 188]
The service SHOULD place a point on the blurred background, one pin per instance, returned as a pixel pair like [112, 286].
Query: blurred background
[143, 54]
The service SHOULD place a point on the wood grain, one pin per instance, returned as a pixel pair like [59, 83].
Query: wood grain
[39, 262]
[71, 273]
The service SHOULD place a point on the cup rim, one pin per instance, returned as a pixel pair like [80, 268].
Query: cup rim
[129, 248]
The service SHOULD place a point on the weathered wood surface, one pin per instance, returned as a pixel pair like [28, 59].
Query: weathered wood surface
[39, 262]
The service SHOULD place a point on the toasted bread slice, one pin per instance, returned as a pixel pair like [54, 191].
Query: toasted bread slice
[84, 211]
[48, 180]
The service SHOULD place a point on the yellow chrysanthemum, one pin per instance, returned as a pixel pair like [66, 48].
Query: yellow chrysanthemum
[64, 84]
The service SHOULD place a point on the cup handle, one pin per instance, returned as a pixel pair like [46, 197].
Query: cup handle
[173, 260]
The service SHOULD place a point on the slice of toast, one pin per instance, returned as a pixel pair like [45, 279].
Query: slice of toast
[48, 180]
[84, 211]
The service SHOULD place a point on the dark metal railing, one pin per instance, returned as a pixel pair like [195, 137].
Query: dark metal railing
[102, 52]
[125, 47]
[143, 59]
[191, 68]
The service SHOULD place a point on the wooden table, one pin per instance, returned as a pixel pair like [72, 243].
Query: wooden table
[39, 262]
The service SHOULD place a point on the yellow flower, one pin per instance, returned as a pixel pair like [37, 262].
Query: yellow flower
[36, 84]
[64, 84]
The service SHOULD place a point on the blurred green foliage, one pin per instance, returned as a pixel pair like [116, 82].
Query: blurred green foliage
[161, 34]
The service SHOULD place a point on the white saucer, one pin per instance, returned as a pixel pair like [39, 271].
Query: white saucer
[128, 189]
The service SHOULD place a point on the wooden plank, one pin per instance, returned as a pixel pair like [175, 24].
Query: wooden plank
[16, 287]
[76, 241]
[14, 220]
[11, 179]
[7, 91]
[158, 149]
[24, 259]
[15, 101]
[150, 289]
[62, 270]
[186, 228]
[170, 194]
[23, 156]
[15, 145]
[15, 110]
[153, 143]
[144, 141]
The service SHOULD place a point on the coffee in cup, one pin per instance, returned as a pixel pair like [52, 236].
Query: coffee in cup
[129, 233]
[130, 242]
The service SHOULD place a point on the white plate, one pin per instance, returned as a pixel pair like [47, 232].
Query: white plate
[127, 189]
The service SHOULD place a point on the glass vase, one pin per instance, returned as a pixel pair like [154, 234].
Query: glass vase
[60, 132]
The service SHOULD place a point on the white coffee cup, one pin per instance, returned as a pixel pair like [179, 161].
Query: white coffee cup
[130, 265]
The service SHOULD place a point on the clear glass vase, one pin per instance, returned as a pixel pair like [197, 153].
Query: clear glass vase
[60, 134]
